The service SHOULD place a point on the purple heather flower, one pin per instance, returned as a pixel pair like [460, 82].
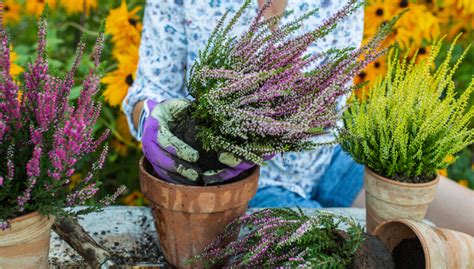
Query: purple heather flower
[50, 134]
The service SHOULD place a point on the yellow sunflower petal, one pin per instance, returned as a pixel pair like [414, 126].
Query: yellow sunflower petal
[35, 7]
[11, 12]
[78, 6]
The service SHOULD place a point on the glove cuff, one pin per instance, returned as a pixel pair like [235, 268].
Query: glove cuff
[147, 108]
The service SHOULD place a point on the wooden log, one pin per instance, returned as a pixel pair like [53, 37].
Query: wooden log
[69, 230]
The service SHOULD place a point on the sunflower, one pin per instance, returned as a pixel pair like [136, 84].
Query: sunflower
[464, 183]
[75, 179]
[78, 6]
[35, 7]
[371, 72]
[411, 30]
[467, 6]
[11, 12]
[376, 13]
[135, 198]
[15, 69]
[119, 80]
[124, 26]
[123, 138]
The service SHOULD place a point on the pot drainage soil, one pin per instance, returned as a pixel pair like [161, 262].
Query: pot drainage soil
[372, 254]
[408, 254]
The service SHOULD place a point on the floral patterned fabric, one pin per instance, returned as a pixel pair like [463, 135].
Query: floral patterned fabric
[175, 30]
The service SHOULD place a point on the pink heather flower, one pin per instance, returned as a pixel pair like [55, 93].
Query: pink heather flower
[33, 165]
[48, 133]
[260, 94]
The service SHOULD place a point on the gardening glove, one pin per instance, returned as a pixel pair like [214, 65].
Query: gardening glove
[172, 159]
[235, 167]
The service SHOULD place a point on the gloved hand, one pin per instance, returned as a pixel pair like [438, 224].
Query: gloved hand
[172, 159]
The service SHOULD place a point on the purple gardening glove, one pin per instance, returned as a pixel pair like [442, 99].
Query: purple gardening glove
[172, 159]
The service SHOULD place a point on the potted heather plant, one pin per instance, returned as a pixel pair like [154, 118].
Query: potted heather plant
[404, 133]
[255, 95]
[42, 138]
[287, 238]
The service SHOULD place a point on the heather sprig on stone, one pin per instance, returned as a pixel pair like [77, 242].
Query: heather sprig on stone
[260, 93]
[286, 238]
[43, 136]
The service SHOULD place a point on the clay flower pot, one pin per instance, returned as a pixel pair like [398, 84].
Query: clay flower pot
[188, 218]
[26, 243]
[387, 199]
[442, 248]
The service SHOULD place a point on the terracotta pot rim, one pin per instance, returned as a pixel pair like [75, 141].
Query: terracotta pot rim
[404, 184]
[197, 188]
[25, 216]
[410, 224]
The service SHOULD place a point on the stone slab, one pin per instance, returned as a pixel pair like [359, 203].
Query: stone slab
[129, 233]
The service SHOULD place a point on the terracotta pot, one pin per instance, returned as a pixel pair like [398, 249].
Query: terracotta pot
[387, 199]
[26, 243]
[442, 248]
[188, 218]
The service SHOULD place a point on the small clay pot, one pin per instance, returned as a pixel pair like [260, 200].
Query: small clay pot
[442, 248]
[387, 199]
[26, 243]
[188, 218]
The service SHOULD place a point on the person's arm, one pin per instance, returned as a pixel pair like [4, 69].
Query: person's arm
[163, 51]
[452, 208]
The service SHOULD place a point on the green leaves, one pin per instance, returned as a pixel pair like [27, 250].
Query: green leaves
[413, 120]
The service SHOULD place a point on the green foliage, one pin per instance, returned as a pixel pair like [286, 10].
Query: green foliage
[413, 119]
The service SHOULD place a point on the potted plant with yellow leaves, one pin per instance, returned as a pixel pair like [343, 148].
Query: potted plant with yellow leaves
[404, 132]
[255, 95]
[42, 138]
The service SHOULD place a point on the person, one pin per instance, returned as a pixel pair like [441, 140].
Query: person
[173, 33]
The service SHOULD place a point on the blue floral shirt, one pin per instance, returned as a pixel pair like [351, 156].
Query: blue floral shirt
[174, 31]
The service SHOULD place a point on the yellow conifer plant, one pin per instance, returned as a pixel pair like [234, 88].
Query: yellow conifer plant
[413, 119]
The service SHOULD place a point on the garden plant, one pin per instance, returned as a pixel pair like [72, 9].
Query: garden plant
[43, 136]
[405, 132]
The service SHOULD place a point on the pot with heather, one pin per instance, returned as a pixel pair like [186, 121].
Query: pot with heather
[405, 131]
[43, 137]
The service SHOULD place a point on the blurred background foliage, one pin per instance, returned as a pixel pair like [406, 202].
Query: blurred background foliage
[425, 21]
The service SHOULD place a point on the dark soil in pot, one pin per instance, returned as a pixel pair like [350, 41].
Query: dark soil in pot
[187, 131]
[408, 254]
[373, 254]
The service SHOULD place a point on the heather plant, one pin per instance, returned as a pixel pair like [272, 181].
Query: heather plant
[286, 238]
[259, 94]
[43, 136]
[413, 120]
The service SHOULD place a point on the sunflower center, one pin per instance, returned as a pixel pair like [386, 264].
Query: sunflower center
[132, 21]
[41, 1]
[379, 12]
[362, 75]
[422, 51]
[403, 3]
[6, 8]
[129, 80]
[376, 64]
